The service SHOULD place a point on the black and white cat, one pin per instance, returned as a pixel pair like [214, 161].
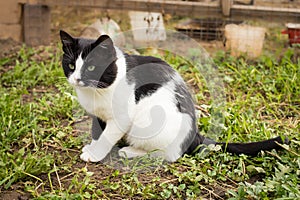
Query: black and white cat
[140, 98]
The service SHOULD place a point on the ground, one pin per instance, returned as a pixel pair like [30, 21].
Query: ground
[43, 128]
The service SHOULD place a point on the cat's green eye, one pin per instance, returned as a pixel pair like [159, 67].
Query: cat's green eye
[71, 66]
[91, 68]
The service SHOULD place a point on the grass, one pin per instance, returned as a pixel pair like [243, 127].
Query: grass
[40, 141]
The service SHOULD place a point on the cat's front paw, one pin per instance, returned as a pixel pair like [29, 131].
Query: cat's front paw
[87, 146]
[84, 149]
[87, 157]
[91, 154]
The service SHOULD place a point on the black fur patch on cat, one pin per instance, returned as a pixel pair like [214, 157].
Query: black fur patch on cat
[145, 90]
[184, 102]
[102, 77]
[97, 127]
[142, 71]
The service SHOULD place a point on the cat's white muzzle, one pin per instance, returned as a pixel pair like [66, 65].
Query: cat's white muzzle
[75, 81]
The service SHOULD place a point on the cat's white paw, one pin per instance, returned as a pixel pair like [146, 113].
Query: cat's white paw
[87, 157]
[90, 153]
[84, 149]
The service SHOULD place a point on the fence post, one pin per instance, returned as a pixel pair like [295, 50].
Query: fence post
[226, 6]
[36, 24]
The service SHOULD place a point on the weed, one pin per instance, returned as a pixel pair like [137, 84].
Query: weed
[40, 141]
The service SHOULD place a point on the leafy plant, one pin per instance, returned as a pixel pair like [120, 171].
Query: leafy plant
[40, 135]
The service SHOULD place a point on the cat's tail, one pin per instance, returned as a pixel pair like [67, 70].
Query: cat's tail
[252, 148]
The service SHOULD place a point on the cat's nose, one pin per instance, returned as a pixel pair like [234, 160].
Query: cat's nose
[77, 80]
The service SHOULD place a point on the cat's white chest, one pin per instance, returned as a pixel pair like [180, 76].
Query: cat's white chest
[95, 102]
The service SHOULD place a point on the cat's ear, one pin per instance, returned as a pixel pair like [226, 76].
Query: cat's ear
[66, 39]
[102, 50]
[105, 41]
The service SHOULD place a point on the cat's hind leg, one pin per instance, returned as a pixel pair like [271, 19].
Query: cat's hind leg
[131, 152]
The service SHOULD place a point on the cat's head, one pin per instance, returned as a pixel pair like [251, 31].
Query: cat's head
[89, 63]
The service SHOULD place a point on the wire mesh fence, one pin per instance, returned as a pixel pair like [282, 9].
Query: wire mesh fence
[203, 20]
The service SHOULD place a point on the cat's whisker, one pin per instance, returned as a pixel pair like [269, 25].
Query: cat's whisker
[97, 84]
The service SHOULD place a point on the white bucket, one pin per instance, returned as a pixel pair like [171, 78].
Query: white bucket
[244, 39]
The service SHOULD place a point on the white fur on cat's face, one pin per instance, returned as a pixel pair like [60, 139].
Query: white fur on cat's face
[75, 78]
